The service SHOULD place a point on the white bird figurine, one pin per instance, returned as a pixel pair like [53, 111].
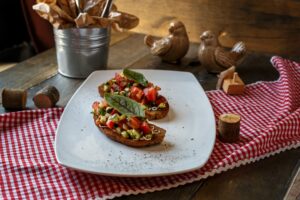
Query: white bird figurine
[216, 58]
[172, 47]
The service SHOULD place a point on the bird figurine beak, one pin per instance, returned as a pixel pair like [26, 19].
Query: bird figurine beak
[202, 37]
[171, 29]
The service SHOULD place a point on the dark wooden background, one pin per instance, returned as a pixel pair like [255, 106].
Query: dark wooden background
[271, 26]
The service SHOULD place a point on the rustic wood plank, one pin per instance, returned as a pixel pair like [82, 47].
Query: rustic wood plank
[30, 72]
[185, 192]
[117, 37]
[254, 68]
[188, 63]
[41, 67]
[66, 87]
[127, 51]
[44, 66]
[268, 26]
[254, 181]
[294, 188]
[5, 66]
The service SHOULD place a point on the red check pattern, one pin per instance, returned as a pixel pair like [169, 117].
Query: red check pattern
[270, 124]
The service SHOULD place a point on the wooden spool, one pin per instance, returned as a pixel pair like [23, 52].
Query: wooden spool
[14, 99]
[229, 127]
[46, 97]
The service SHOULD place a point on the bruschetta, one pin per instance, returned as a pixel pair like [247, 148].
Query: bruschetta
[135, 86]
[130, 130]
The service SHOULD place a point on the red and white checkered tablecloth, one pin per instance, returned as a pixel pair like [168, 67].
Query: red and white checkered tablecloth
[270, 124]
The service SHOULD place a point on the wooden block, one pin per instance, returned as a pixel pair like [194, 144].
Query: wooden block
[233, 86]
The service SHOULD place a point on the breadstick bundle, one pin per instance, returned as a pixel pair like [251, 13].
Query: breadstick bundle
[87, 14]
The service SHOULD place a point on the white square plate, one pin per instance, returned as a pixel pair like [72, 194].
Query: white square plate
[187, 145]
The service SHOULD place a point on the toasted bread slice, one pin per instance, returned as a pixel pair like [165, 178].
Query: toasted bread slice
[158, 114]
[101, 90]
[157, 138]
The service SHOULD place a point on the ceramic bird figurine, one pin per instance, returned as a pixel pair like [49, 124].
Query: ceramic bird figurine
[216, 58]
[172, 47]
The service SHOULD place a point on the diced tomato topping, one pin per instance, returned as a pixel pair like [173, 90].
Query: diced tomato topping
[134, 122]
[150, 94]
[134, 90]
[157, 88]
[123, 84]
[139, 95]
[104, 103]
[121, 81]
[118, 77]
[95, 105]
[113, 111]
[160, 100]
[115, 87]
[120, 124]
[145, 128]
[98, 122]
[136, 93]
[110, 124]
[150, 84]
[144, 101]
[145, 90]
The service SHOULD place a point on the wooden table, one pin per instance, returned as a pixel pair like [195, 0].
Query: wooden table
[266, 179]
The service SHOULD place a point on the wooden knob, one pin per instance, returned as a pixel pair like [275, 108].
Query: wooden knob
[14, 99]
[229, 127]
[46, 97]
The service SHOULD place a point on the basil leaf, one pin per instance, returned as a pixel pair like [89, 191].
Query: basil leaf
[135, 76]
[125, 105]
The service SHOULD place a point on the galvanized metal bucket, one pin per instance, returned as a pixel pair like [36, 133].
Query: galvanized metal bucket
[80, 51]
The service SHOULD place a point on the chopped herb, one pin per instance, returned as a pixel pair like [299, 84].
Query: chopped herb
[125, 105]
[135, 76]
[101, 111]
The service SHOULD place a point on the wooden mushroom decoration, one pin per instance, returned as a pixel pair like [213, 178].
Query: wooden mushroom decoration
[229, 127]
[172, 47]
[14, 99]
[216, 58]
[46, 97]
